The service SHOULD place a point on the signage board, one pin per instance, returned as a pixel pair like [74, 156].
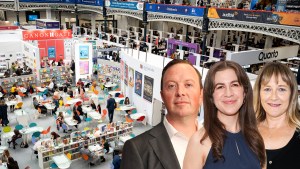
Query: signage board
[176, 9]
[46, 34]
[263, 55]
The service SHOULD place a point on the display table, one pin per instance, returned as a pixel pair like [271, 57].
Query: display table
[95, 148]
[61, 161]
[94, 115]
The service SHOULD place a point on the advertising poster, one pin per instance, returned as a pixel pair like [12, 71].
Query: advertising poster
[83, 52]
[51, 52]
[131, 77]
[122, 69]
[176, 9]
[138, 83]
[148, 88]
[126, 74]
[84, 67]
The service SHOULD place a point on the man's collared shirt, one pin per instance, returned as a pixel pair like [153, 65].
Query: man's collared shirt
[179, 140]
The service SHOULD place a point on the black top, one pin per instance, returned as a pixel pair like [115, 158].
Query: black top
[286, 157]
[237, 154]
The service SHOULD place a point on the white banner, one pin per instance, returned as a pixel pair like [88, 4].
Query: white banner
[263, 55]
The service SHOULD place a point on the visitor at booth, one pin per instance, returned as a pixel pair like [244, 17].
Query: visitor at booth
[179, 81]
[16, 135]
[60, 121]
[13, 89]
[117, 159]
[92, 155]
[12, 164]
[111, 105]
[79, 83]
[230, 136]
[99, 108]
[88, 82]
[93, 105]
[3, 91]
[278, 115]
[51, 86]
[76, 118]
[104, 144]
[5, 156]
[127, 102]
[3, 113]
[60, 62]
[12, 98]
[54, 136]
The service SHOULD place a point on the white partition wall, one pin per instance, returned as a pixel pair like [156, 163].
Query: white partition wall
[31, 56]
[83, 60]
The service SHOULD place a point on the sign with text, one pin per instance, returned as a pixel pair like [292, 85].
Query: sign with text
[263, 55]
[267, 17]
[124, 5]
[175, 9]
[46, 34]
[91, 2]
[49, 1]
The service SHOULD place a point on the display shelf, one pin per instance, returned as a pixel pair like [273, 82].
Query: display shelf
[59, 73]
[7, 83]
[71, 146]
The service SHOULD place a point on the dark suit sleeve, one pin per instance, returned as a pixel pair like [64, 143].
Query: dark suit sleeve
[131, 158]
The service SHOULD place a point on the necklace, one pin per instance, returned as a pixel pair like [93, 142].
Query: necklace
[237, 147]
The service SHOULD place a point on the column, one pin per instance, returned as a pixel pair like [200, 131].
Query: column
[48, 14]
[165, 28]
[218, 38]
[93, 23]
[269, 42]
[18, 18]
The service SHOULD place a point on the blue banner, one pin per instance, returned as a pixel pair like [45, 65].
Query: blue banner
[175, 9]
[49, 1]
[90, 2]
[124, 5]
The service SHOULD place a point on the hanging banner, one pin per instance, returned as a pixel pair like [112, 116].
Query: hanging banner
[175, 9]
[138, 83]
[91, 2]
[124, 5]
[49, 1]
[267, 17]
[263, 55]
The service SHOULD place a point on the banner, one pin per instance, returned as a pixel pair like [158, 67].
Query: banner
[263, 55]
[90, 2]
[281, 18]
[293, 5]
[175, 9]
[46, 34]
[281, 5]
[124, 5]
[148, 88]
[138, 83]
[49, 1]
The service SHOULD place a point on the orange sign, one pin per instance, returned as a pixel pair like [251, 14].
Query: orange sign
[46, 34]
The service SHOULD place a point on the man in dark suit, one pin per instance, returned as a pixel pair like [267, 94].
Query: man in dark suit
[111, 105]
[164, 146]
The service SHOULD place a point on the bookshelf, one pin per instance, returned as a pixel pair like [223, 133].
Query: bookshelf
[59, 73]
[70, 146]
[7, 83]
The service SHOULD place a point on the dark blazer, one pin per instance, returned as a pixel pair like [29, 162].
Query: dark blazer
[150, 150]
[111, 103]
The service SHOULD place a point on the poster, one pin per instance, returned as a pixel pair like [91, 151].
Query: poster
[51, 52]
[122, 69]
[138, 83]
[126, 74]
[84, 67]
[130, 77]
[148, 88]
[83, 52]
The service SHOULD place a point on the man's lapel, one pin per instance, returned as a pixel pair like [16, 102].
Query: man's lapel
[163, 148]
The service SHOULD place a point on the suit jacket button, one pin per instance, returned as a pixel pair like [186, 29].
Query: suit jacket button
[270, 162]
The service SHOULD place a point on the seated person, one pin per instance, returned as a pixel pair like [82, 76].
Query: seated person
[41, 108]
[95, 158]
[54, 135]
[12, 98]
[36, 146]
[60, 121]
[79, 83]
[2, 91]
[5, 156]
[12, 164]
[77, 118]
[13, 89]
[51, 86]
[70, 92]
[99, 108]
[127, 102]
[93, 105]
[105, 146]
[88, 82]
[16, 135]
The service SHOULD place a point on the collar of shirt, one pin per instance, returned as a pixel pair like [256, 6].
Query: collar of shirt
[173, 132]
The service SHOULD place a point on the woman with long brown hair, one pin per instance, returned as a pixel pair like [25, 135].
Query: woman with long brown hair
[229, 138]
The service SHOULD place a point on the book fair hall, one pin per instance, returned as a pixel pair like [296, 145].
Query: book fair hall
[150, 84]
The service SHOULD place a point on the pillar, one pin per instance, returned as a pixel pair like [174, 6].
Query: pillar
[269, 42]
[93, 23]
[48, 14]
[218, 38]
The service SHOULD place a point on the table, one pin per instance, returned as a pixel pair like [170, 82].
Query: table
[95, 148]
[113, 92]
[109, 85]
[2, 148]
[118, 99]
[22, 89]
[61, 161]
[3, 166]
[137, 115]
[70, 121]
[126, 107]
[30, 130]
[65, 114]
[20, 112]
[94, 115]
[11, 103]
[41, 89]
[6, 136]
[86, 108]
[49, 107]
[73, 101]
